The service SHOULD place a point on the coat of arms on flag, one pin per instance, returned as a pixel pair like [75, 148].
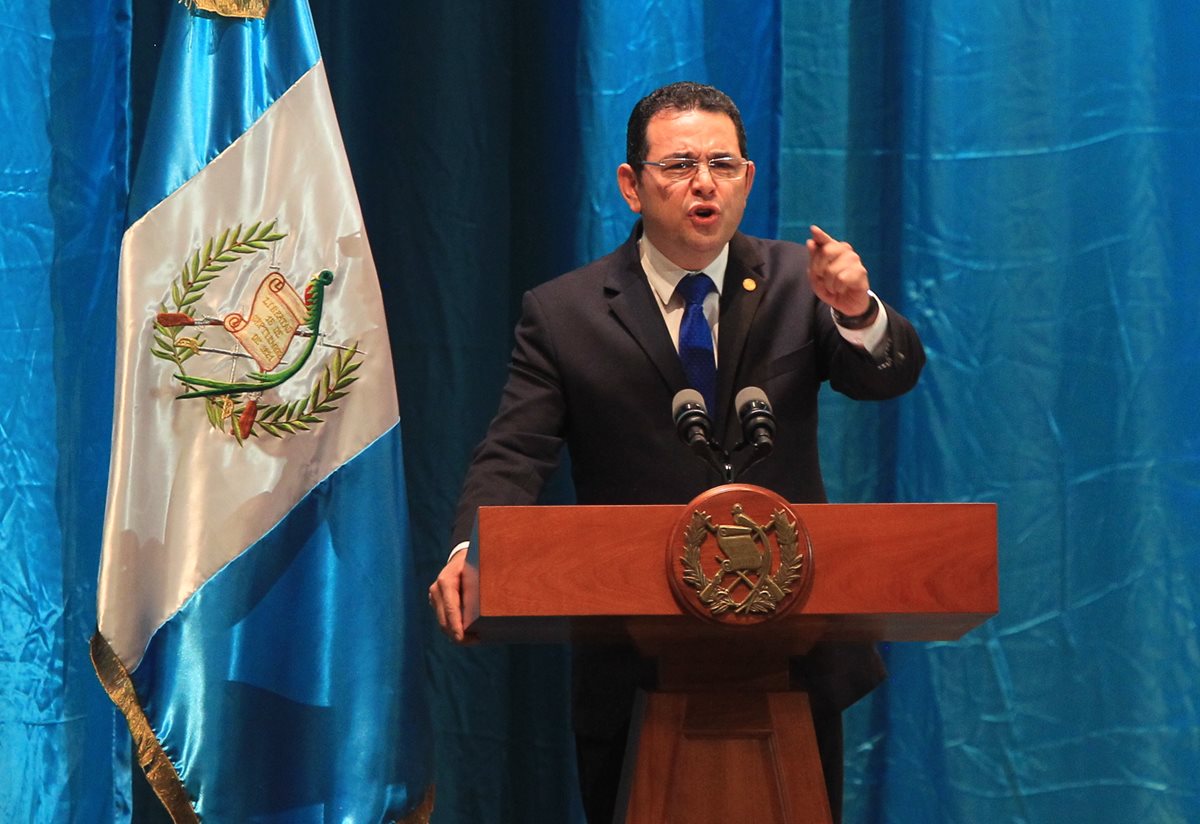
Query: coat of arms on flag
[233, 396]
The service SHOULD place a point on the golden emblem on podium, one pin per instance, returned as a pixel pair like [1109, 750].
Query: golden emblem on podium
[749, 568]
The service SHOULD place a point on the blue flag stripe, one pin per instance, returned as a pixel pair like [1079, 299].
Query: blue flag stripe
[274, 643]
[217, 78]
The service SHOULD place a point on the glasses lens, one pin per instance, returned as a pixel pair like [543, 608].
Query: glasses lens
[678, 168]
[725, 168]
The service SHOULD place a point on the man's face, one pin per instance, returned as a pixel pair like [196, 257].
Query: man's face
[689, 221]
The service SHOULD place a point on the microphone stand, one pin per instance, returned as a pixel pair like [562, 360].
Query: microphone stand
[694, 427]
[759, 451]
[721, 460]
[711, 453]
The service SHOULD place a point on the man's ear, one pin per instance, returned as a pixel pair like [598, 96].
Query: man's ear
[627, 182]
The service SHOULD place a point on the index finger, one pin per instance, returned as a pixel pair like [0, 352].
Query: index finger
[820, 235]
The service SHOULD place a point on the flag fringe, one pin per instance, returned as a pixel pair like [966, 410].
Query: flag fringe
[160, 771]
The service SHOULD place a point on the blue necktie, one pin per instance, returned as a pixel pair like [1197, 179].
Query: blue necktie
[695, 339]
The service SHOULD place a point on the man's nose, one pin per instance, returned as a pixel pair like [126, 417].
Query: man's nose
[703, 180]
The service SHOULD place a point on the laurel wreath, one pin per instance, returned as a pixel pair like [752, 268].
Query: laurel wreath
[301, 415]
[714, 596]
[195, 275]
[791, 562]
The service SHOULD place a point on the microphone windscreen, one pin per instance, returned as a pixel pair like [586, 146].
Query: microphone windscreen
[749, 395]
[685, 398]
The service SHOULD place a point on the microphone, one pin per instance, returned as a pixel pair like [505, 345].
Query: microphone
[691, 419]
[758, 421]
[695, 429]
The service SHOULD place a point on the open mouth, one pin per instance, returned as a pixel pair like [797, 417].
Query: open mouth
[704, 213]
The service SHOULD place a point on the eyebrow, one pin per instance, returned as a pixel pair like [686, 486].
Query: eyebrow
[697, 156]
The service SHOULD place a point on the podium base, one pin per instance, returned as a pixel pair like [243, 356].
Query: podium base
[702, 757]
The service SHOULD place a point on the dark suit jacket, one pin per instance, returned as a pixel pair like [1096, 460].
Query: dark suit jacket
[594, 368]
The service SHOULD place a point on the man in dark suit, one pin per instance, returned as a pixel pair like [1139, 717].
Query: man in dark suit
[598, 360]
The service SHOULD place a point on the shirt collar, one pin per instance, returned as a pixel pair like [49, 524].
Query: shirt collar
[664, 275]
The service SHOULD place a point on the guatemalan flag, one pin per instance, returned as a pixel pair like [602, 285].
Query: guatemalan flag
[256, 607]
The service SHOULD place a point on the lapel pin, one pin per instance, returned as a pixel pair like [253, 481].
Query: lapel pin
[749, 285]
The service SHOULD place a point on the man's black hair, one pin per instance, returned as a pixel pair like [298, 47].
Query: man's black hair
[683, 96]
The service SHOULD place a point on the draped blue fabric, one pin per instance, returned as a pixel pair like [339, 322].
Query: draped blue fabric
[1028, 179]
[628, 48]
[1021, 182]
[63, 115]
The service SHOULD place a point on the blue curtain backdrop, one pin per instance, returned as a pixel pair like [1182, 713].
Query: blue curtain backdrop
[63, 140]
[1021, 180]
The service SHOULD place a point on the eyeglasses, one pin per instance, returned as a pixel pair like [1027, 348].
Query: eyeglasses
[685, 168]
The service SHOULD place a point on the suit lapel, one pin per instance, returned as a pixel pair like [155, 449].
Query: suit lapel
[739, 302]
[633, 303]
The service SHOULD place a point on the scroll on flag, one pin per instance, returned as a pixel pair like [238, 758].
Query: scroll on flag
[256, 610]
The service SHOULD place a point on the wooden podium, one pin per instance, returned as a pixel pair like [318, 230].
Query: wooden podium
[724, 738]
